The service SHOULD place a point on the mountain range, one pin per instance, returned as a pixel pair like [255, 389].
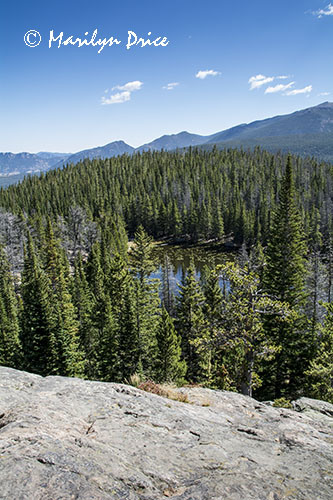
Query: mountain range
[305, 132]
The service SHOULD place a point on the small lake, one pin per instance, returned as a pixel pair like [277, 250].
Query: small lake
[179, 258]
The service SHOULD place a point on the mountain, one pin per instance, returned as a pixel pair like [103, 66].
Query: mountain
[310, 121]
[73, 438]
[24, 163]
[112, 149]
[308, 132]
[13, 167]
[174, 141]
[317, 145]
[50, 156]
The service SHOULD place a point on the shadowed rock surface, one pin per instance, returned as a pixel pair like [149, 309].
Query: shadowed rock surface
[64, 438]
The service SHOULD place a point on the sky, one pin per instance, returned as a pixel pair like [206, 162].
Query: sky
[222, 63]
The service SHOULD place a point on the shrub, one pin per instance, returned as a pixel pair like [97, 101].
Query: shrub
[282, 403]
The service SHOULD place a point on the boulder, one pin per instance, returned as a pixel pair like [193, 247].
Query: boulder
[63, 438]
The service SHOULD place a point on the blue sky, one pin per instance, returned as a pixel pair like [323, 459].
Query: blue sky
[54, 99]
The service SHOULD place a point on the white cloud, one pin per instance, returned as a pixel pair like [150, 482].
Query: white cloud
[170, 86]
[117, 98]
[279, 88]
[259, 80]
[328, 11]
[130, 86]
[306, 90]
[202, 74]
[323, 94]
[123, 96]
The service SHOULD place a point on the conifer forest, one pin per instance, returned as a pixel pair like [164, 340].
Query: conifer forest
[79, 297]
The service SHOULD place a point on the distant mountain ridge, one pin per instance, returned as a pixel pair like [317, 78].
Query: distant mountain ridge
[318, 119]
[112, 149]
[24, 163]
[305, 132]
[174, 141]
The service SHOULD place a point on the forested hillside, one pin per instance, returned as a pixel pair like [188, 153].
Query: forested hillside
[75, 301]
[171, 194]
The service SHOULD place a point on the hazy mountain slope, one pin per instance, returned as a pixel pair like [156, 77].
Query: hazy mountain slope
[315, 120]
[11, 163]
[317, 145]
[46, 155]
[25, 163]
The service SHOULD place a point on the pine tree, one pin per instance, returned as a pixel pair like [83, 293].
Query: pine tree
[168, 298]
[108, 348]
[212, 309]
[315, 282]
[146, 292]
[213, 294]
[10, 348]
[129, 346]
[169, 365]
[37, 333]
[284, 279]
[241, 326]
[320, 372]
[96, 282]
[83, 301]
[217, 224]
[116, 282]
[192, 328]
[65, 326]
[141, 255]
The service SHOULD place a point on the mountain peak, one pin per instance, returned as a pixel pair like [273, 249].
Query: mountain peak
[326, 104]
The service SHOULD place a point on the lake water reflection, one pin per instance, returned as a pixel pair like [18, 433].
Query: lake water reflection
[179, 258]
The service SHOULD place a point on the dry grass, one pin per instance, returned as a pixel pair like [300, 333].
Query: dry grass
[164, 390]
[135, 380]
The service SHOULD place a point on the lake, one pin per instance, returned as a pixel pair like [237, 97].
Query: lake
[180, 257]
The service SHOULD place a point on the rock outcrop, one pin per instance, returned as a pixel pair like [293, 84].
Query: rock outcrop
[63, 438]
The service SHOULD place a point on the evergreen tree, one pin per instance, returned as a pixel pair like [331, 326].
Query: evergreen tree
[217, 224]
[37, 332]
[241, 325]
[108, 348]
[169, 365]
[168, 298]
[129, 346]
[146, 290]
[315, 282]
[320, 372]
[83, 302]
[212, 309]
[65, 326]
[141, 255]
[10, 348]
[98, 310]
[284, 279]
[192, 328]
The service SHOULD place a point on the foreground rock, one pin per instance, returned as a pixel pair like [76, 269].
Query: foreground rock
[64, 438]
